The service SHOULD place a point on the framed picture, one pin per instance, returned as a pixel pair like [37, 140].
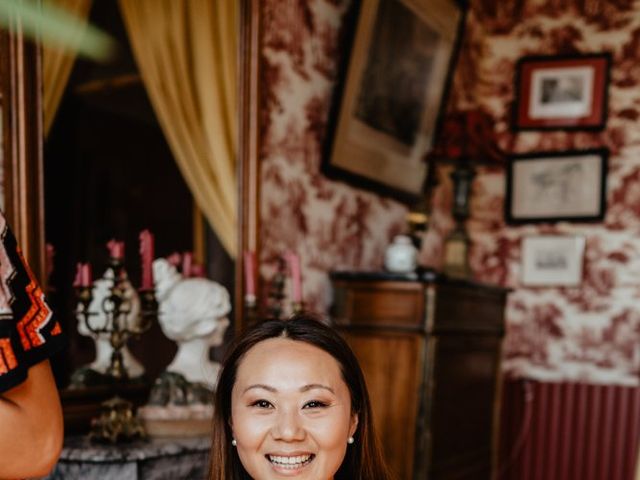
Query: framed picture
[386, 112]
[561, 92]
[556, 186]
[552, 260]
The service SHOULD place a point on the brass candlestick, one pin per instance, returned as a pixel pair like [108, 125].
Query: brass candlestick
[115, 308]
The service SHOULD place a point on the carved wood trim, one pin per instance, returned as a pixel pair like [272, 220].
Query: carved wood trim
[249, 147]
[22, 134]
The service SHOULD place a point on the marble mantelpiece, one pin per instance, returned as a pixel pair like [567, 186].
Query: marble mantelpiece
[155, 459]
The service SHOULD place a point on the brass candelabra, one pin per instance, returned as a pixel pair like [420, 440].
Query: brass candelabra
[117, 422]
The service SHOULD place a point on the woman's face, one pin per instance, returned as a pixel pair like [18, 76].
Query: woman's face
[290, 411]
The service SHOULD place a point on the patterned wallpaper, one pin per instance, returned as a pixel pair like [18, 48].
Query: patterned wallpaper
[330, 224]
[589, 333]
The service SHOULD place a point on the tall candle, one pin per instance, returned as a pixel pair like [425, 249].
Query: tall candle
[83, 275]
[50, 253]
[296, 276]
[187, 264]
[116, 249]
[146, 254]
[197, 270]
[249, 273]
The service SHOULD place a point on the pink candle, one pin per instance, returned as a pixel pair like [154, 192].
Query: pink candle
[50, 253]
[249, 273]
[296, 276]
[187, 263]
[197, 270]
[116, 249]
[146, 254]
[83, 275]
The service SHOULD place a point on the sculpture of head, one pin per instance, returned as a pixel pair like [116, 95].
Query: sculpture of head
[190, 308]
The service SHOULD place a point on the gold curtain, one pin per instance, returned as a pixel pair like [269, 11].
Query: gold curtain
[187, 55]
[57, 62]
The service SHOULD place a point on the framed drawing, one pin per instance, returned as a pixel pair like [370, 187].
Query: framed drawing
[552, 260]
[389, 104]
[561, 92]
[556, 186]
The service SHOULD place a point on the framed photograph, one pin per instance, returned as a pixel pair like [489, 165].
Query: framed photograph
[556, 186]
[552, 260]
[561, 92]
[388, 107]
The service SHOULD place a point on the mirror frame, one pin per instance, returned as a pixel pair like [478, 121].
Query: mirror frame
[22, 144]
[249, 106]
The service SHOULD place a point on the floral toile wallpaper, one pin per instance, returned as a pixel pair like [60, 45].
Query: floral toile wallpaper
[591, 333]
[330, 224]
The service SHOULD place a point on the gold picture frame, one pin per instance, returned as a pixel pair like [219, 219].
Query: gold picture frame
[392, 95]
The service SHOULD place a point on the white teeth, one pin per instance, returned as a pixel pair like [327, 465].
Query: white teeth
[289, 462]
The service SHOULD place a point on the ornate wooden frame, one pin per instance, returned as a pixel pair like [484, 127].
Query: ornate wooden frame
[22, 139]
[249, 147]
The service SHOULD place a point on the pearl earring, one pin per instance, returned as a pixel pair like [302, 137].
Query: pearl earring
[234, 443]
[350, 440]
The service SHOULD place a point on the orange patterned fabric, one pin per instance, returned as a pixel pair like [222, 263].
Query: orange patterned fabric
[29, 332]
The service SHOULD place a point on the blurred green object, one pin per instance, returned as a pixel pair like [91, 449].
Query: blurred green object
[50, 25]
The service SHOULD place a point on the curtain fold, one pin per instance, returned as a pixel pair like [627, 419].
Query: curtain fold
[186, 52]
[57, 62]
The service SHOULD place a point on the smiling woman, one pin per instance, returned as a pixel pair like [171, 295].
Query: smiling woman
[292, 402]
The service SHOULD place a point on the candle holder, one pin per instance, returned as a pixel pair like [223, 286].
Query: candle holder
[115, 308]
[297, 307]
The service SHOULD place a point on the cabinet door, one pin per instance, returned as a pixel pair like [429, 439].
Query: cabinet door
[462, 405]
[391, 362]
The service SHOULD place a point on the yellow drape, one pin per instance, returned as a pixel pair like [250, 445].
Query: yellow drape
[57, 62]
[187, 55]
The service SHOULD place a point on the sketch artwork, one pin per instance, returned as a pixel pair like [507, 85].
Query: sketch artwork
[556, 187]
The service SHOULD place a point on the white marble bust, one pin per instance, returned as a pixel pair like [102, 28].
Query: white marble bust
[192, 312]
[101, 289]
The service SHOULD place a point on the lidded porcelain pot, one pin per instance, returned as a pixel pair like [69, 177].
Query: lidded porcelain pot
[401, 255]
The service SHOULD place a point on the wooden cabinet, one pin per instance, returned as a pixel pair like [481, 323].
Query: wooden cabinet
[430, 350]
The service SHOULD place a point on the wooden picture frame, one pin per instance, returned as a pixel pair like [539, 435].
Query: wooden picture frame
[552, 260]
[556, 186]
[22, 137]
[561, 92]
[387, 109]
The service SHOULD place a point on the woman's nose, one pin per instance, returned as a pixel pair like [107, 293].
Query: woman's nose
[288, 426]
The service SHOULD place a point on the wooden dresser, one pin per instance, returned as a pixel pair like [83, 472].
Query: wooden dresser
[430, 350]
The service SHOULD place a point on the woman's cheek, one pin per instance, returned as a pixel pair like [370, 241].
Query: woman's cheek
[330, 430]
[249, 427]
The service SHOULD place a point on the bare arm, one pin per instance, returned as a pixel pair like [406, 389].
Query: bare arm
[32, 428]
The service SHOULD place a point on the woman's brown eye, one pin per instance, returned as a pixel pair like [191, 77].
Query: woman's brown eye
[261, 404]
[315, 404]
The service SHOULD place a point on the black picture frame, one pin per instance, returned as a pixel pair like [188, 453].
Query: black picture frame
[371, 167]
[567, 186]
[561, 92]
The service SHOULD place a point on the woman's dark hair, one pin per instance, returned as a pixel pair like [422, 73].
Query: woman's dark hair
[363, 460]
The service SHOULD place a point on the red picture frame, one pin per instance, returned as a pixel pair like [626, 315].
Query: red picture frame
[561, 92]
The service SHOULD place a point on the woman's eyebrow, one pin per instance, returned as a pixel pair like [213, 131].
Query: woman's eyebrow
[311, 386]
[259, 385]
[305, 388]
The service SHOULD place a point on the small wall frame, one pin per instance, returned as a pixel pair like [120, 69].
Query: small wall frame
[556, 186]
[561, 92]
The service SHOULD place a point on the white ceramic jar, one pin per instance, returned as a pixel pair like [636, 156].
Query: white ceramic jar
[401, 255]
